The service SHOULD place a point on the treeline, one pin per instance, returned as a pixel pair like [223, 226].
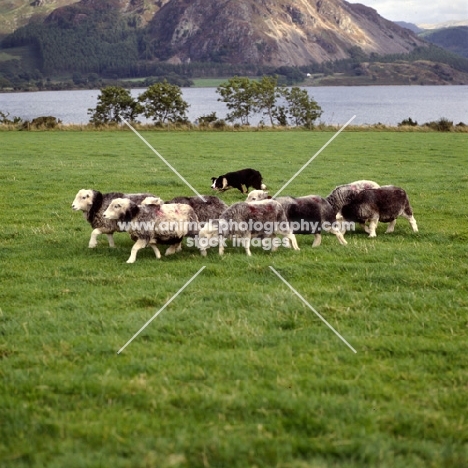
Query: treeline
[103, 43]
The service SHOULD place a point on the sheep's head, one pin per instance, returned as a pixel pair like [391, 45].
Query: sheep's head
[83, 200]
[117, 208]
[257, 195]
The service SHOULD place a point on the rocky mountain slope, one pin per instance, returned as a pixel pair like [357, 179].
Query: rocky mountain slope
[264, 32]
[17, 13]
[275, 32]
[116, 39]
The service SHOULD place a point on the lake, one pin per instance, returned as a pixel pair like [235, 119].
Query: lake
[371, 104]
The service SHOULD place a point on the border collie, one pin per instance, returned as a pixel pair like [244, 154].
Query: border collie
[247, 177]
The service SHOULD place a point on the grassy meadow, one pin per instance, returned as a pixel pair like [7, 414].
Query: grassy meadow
[236, 372]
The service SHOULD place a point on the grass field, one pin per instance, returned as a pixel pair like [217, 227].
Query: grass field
[236, 372]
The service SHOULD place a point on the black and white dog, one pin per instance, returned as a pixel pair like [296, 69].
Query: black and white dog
[247, 177]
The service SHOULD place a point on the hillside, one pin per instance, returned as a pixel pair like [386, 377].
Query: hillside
[286, 32]
[270, 32]
[454, 39]
[181, 39]
[17, 13]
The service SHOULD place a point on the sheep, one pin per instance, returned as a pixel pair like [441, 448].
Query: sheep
[206, 210]
[308, 215]
[343, 194]
[153, 223]
[246, 221]
[383, 204]
[93, 204]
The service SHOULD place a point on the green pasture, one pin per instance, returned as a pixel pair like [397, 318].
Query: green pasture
[236, 372]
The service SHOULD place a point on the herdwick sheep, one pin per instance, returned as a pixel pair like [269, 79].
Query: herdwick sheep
[153, 223]
[93, 204]
[248, 177]
[344, 194]
[383, 204]
[307, 215]
[244, 221]
[211, 208]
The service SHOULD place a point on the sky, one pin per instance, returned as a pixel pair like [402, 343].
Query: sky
[419, 11]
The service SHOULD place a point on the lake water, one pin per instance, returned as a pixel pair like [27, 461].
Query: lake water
[371, 104]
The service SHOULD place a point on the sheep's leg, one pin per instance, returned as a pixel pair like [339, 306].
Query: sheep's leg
[221, 245]
[391, 227]
[339, 236]
[292, 239]
[365, 227]
[274, 243]
[342, 223]
[155, 250]
[412, 221]
[317, 240]
[372, 227]
[110, 238]
[139, 244]
[93, 239]
[246, 242]
[173, 249]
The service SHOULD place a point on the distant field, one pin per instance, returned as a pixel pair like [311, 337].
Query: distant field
[236, 372]
[208, 82]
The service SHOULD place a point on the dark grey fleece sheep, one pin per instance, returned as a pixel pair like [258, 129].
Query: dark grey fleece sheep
[344, 194]
[307, 215]
[245, 221]
[384, 204]
[153, 224]
[311, 214]
[93, 204]
[211, 208]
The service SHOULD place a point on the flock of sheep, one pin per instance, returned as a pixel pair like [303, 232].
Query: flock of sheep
[210, 222]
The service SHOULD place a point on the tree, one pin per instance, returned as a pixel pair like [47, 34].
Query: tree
[244, 97]
[265, 93]
[163, 102]
[114, 103]
[238, 94]
[302, 109]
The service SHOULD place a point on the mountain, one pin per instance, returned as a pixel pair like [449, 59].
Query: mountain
[410, 26]
[17, 13]
[446, 24]
[454, 39]
[180, 39]
[261, 32]
[278, 33]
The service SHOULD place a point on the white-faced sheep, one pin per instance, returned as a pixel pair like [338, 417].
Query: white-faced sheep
[244, 221]
[93, 204]
[211, 208]
[153, 223]
[310, 214]
[383, 204]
